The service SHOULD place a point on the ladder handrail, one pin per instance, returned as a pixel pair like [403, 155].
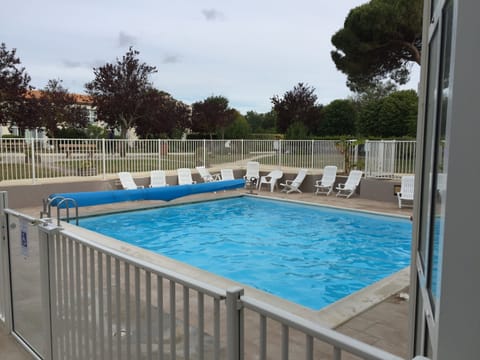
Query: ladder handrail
[47, 209]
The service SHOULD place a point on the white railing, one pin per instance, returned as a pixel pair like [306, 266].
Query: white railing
[57, 158]
[300, 338]
[389, 158]
[107, 306]
[3, 258]
[98, 302]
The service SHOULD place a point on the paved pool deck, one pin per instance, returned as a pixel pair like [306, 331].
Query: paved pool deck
[383, 324]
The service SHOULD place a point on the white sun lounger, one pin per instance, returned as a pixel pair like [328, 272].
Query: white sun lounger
[158, 178]
[348, 188]
[406, 190]
[253, 171]
[205, 174]
[185, 176]
[294, 185]
[227, 174]
[127, 181]
[325, 185]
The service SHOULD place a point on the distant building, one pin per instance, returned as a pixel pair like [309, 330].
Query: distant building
[82, 100]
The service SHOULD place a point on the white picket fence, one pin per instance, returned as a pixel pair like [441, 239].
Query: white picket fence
[58, 158]
[389, 158]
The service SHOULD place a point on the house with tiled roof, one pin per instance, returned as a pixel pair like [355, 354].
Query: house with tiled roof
[83, 100]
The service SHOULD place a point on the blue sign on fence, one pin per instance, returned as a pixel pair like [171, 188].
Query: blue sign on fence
[24, 237]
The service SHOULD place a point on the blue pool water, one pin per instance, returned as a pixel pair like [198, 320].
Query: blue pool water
[310, 255]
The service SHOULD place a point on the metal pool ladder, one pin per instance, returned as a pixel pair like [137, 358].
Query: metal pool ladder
[47, 208]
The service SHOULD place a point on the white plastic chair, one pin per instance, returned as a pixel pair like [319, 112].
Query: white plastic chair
[325, 185]
[127, 181]
[205, 174]
[406, 189]
[253, 170]
[348, 188]
[294, 185]
[227, 174]
[158, 178]
[185, 176]
[271, 178]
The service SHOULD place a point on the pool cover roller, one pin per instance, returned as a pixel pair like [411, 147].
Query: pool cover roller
[166, 193]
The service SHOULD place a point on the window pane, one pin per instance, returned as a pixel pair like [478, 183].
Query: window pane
[428, 151]
[440, 144]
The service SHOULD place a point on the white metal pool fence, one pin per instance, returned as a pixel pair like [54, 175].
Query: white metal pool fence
[64, 296]
[58, 158]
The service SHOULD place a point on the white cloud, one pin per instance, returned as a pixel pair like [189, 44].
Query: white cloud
[259, 48]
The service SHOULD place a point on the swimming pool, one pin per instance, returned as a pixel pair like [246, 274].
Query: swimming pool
[307, 254]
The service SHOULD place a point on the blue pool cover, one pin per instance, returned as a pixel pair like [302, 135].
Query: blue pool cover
[166, 193]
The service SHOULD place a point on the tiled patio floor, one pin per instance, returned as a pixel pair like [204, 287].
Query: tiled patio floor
[385, 325]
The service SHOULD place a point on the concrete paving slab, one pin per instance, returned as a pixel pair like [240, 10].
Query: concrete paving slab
[10, 349]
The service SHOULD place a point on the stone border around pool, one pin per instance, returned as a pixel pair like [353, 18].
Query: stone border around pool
[330, 316]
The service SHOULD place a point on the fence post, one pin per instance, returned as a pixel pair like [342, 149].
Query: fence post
[243, 157]
[5, 296]
[280, 152]
[104, 159]
[312, 165]
[47, 231]
[234, 324]
[205, 152]
[33, 162]
[351, 151]
[394, 157]
[367, 158]
[159, 154]
[355, 156]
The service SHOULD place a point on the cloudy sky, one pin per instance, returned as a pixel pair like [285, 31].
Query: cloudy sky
[247, 51]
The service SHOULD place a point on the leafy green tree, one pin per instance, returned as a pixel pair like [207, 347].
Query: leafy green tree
[96, 132]
[296, 131]
[339, 118]
[52, 108]
[121, 92]
[212, 116]
[58, 109]
[376, 91]
[72, 133]
[398, 114]
[28, 113]
[367, 123]
[164, 117]
[14, 84]
[380, 39]
[297, 106]
[261, 123]
[392, 116]
[239, 128]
